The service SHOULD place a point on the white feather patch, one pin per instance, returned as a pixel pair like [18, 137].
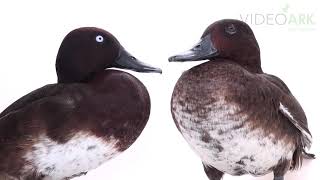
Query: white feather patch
[287, 113]
[81, 153]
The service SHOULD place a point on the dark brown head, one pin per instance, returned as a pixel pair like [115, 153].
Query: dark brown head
[226, 39]
[87, 51]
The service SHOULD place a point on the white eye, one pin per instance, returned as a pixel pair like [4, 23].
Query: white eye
[99, 38]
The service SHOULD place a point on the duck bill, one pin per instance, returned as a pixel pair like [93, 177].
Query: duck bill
[127, 61]
[203, 50]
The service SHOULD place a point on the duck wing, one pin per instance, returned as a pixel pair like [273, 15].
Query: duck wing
[38, 94]
[290, 108]
[39, 112]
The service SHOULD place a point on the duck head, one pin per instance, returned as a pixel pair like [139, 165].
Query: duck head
[227, 39]
[88, 50]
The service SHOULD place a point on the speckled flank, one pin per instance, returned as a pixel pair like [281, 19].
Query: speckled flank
[229, 144]
[81, 153]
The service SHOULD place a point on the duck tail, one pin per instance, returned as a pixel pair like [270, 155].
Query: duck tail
[307, 155]
[296, 159]
[298, 156]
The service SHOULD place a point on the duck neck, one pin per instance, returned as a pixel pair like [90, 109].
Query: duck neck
[249, 59]
[69, 79]
[252, 64]
[73, 72]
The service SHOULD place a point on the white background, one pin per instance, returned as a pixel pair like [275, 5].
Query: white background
[31, 32]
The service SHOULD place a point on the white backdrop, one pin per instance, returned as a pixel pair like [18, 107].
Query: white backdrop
[31, 32]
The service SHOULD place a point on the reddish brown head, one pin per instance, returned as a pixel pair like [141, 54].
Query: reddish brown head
[226, 39]
[87, 51]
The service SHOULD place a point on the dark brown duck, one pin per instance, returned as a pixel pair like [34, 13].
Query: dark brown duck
[237, 118]
[91, 115]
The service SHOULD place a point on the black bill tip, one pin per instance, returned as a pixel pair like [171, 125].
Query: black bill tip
[185, 56]
[127, 61]
[203, 50]
[148, 69]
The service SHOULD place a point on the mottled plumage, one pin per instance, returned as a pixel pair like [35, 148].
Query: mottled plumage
[238, 119]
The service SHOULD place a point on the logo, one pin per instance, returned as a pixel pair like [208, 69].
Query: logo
[285, 18]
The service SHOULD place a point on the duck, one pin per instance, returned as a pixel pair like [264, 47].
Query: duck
[92, 114]
[236, 118]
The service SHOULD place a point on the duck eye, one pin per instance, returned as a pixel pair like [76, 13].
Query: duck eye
[99, 38]
[231, 29]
